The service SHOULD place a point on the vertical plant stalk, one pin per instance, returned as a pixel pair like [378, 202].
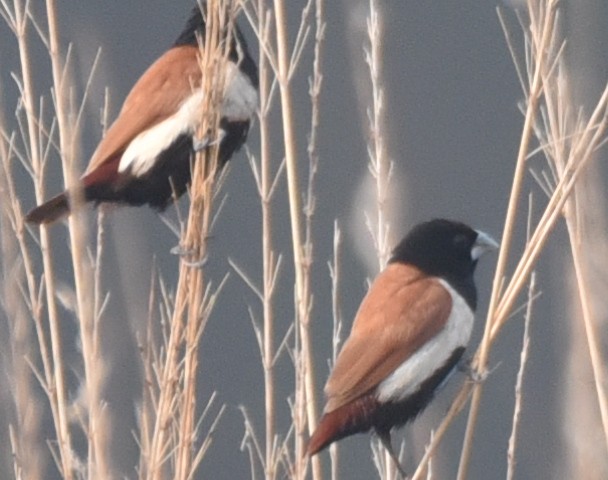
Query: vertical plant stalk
[268, 255]
[314, 91]
[54, 374]
[589, 320]
[268, 452]
[147, 346]
[23, 417]
[585, 141]
[191, 284]
[335, 274]
[542, 28]
[315, 85]
[305, 366]
[558, 123]
[178, 397]
[379, 162]
[94, 374]
[523, 359]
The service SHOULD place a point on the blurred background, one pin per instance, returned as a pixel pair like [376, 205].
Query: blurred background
[452, 127]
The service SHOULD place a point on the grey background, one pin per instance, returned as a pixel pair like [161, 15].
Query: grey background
[453, 129]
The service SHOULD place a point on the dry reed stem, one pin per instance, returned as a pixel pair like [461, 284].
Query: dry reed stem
[283, 65]
[380, 164]
[22, 295]
[270, 272]
[315, 86]
[250, 443]
[335, 275]
[98, 462]
[558, 121]
[590, 139]
[541, 31]
[35, 160]
[265, 183]
[306, 396]
[150, 359]
[590, 323]
[523, 359]
[380, 167]
[275, 450]
[22, 416]
[199, 226]
[543, 58]
[90, 299]
[55, 385]
[192, 305]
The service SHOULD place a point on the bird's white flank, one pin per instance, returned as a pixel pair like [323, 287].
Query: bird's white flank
[421, 365]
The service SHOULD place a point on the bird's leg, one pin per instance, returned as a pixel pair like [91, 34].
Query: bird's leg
[205, 142]
[385, 438]
[185, 253]
[476, 376]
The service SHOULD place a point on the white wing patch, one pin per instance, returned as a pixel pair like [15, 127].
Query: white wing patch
[240, 103]
[140, 155]
[408, 377]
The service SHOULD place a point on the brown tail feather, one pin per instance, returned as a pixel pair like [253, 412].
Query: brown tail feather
[322, 436]
[354, 417]
[336, 425]
[50, 211]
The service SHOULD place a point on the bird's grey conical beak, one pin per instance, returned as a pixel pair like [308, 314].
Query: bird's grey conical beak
[483, 244]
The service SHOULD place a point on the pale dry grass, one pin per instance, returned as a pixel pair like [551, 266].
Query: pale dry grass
[170, 437]
[40, 293]
[306, 413]
[176, 423]
[381, 168]
[22, 421]
[269, 452]
[170, 419]
[337, 330]
[573, 145]
[523, 361]
[282, 453]
[175, 431]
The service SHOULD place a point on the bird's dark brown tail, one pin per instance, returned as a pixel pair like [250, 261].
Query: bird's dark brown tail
[354, 417]
[322, 437]
[335, 426]
[50, 211]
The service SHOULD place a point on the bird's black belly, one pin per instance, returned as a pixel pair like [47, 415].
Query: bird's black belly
[396, 414]
[169, 177]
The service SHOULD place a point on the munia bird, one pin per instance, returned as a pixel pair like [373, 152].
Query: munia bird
[145, 156]
[407, 337]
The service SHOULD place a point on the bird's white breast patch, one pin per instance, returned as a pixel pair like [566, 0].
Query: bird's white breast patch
[239, 104]
[140, 155]
[240, 96]
[408, 377]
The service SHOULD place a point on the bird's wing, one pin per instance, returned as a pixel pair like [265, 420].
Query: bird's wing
[401, 312]
[155, 96]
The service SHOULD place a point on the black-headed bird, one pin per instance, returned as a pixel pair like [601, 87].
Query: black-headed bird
[145, 156]
[407, 337]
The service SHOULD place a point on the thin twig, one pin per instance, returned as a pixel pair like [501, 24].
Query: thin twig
[519, 383]
[533, 98]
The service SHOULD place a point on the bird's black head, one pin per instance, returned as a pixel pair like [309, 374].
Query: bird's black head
[239, 52]
[445, 249]
[194, 26]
